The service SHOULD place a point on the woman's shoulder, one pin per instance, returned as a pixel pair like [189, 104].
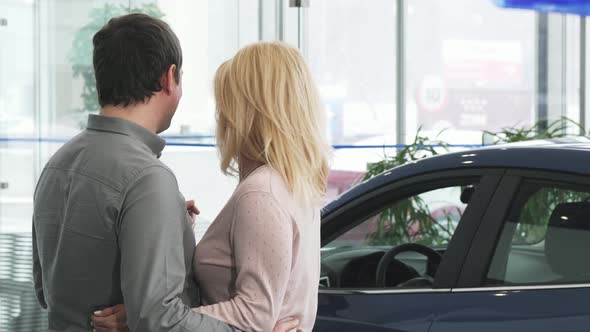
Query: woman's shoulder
[263, 180]
[265, 186]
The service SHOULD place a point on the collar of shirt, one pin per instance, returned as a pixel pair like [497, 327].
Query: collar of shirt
[128, 128]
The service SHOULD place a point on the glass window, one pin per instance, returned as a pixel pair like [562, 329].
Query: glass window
[17, 114]
[359, 93]
[466, 73]
[545, 238]
[354, 65]
[428, 219]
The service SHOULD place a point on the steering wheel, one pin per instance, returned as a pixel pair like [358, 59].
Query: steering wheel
[433, 260]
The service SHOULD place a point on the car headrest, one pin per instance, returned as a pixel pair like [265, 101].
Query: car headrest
[567, 241]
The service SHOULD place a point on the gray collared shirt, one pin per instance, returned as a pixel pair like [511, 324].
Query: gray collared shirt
[110, 226]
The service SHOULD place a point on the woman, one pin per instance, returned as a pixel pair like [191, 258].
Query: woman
[259, 262]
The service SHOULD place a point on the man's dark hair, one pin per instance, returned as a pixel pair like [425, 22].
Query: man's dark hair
[131, 53]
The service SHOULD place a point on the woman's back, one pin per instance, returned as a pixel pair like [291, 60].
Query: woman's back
[260, 257]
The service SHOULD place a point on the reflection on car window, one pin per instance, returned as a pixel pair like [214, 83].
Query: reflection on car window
[534, 216]
[429, 218]
[544, 239]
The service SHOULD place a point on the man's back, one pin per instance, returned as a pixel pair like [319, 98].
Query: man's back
[109, 223]
[80, 200]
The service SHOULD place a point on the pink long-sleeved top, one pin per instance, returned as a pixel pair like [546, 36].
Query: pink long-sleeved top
[259, 261]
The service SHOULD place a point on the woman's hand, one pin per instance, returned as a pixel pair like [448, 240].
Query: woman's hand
[113, 319]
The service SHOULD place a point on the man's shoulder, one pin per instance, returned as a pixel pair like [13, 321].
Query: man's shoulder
[118, 158]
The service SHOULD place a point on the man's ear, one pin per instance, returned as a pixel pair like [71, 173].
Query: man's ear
[167, 81]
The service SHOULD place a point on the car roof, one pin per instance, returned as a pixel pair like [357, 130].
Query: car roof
[567, 155]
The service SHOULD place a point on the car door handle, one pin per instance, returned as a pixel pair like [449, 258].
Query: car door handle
[3, 185]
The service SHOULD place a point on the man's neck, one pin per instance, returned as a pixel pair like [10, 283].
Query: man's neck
[138, 114]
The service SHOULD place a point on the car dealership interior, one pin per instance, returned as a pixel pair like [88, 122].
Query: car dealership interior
[457, 132]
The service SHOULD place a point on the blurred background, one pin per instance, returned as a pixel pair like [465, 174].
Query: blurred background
[385, 69]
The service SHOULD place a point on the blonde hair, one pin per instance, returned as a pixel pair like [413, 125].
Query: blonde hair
[269, 111]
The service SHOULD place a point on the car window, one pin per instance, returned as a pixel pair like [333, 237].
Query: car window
[428, 219]
[545, 237]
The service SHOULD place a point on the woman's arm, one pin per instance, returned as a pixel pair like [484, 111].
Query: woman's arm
[262, 244]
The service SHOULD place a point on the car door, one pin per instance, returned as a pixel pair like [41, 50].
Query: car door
[528, 269]
[441, 210]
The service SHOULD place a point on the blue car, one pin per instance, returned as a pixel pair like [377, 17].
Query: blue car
[492, 239]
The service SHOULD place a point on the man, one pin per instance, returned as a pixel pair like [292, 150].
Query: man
[109, 224]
